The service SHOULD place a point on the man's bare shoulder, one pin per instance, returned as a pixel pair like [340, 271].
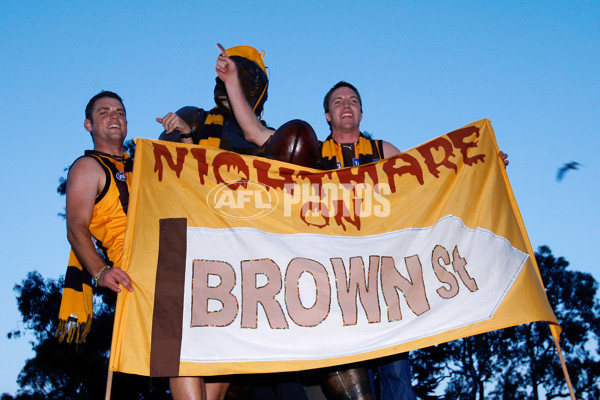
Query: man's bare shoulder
[389, 149]
[85, 166]
[86, 178]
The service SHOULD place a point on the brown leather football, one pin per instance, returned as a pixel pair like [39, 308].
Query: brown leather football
[295, 142]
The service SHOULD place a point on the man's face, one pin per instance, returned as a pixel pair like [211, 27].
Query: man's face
[108, 122]
[344, 110]
[221, 98]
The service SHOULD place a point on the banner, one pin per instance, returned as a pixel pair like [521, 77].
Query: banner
[244, 264]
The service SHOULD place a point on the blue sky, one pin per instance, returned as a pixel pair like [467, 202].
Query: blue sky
[423, 69]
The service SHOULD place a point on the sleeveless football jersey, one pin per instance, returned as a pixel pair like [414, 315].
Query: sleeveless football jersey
[110, 211]
[107, 227]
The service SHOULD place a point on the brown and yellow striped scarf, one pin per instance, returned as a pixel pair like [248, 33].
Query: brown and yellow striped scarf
[212, 130]
[223, 133]
[75, 315]
[365, 151]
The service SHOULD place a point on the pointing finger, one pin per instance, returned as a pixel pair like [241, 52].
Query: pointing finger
[222, 50]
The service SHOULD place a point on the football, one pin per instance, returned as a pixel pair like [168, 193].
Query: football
[193, 116]
[295, 142]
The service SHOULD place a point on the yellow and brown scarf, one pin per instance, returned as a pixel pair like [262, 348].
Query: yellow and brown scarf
[75, 315]
[223, 133]
[365, 151]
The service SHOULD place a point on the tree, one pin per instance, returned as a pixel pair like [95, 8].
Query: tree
[573, 296]
[66, 371]
[522, 362]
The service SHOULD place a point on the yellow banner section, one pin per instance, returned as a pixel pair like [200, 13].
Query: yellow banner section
[177, 187]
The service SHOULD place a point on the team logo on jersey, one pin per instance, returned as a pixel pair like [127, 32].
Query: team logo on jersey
[122, 176]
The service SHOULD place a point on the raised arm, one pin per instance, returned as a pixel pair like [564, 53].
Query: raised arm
[86, 179]
[254, 131]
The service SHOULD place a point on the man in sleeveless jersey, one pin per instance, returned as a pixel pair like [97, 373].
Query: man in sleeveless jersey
[97, 200]
[98, 193]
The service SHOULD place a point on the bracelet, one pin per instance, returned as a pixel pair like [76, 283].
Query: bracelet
[99, 274]
[187, 135]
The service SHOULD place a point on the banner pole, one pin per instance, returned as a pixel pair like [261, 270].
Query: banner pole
[564, 368]
[108, 384]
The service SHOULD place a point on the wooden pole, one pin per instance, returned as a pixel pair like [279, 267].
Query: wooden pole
[108, 384]
[564, 368]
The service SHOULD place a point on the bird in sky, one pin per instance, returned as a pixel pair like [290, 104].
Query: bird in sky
[562, 170]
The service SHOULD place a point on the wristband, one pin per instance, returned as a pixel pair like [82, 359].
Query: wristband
[99, 274]
[187, 135]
